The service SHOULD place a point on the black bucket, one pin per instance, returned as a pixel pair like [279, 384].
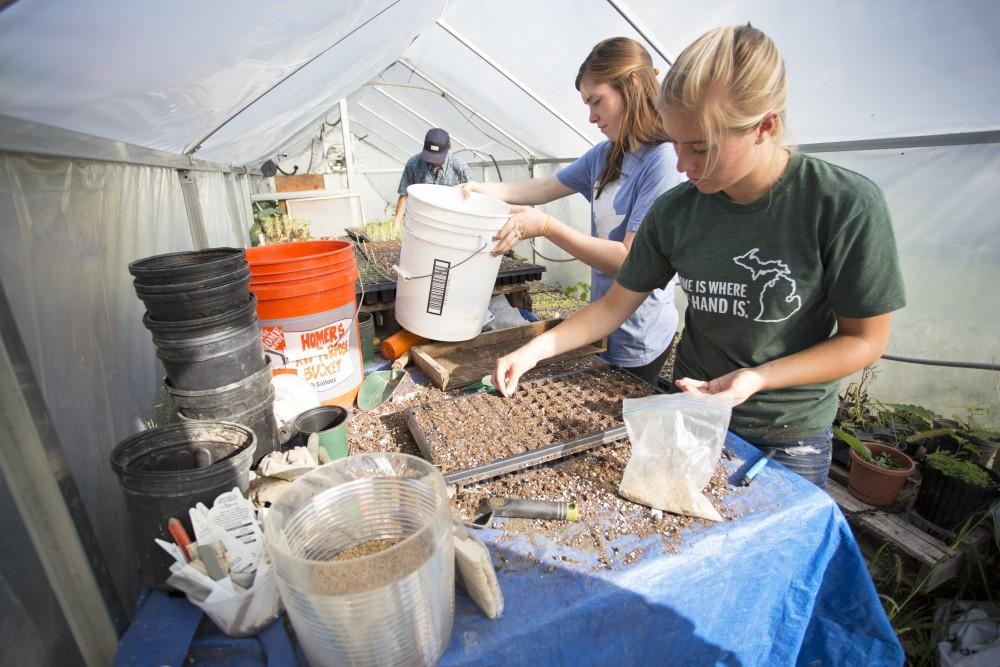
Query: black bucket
[251, 403]
[948, 501]
[215, 359]
[244, 315]
[187, 266]
[167, 470]
[212, 281]
[218, 402]
[195, 300]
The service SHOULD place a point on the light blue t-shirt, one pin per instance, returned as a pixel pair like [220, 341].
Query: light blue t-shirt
[646, 174]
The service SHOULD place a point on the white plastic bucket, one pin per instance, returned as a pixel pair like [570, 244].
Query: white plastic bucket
[446, 272]
[448, 205]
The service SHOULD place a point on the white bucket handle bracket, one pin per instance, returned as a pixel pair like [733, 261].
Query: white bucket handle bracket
[405, 275]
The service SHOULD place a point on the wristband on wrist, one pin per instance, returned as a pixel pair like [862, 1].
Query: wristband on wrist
[545, 227]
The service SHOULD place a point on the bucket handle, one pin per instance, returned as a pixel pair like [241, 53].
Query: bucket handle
[406, 276]
[416, 234]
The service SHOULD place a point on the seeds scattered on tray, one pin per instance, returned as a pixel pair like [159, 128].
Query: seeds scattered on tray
[611, 531]
[384, 429]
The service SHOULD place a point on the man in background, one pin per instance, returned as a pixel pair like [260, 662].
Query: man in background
[432, 165]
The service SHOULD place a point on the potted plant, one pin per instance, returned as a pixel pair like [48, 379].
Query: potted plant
[878, 470]
[857, 413]
[986, 440]
[953, 489]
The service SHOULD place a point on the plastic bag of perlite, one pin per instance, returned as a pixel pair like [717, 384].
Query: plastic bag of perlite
[677, 440]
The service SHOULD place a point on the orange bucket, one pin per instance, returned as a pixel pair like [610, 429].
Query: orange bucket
[308, 315]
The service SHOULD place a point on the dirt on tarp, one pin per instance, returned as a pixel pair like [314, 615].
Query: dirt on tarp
[609, 526]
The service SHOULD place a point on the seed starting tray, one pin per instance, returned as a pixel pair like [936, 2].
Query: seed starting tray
[375, 259]
[548, 419]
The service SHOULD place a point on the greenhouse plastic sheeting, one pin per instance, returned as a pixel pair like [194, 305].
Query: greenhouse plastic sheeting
[71, 230]
[782, 583]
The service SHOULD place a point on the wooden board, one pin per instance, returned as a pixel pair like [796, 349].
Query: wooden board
[930, 560]
[298, 183]
[458, 364]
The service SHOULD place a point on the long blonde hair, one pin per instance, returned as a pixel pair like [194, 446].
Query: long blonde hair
[728, 80]
[627, 67]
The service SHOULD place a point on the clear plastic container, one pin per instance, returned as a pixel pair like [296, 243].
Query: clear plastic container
[393, 607]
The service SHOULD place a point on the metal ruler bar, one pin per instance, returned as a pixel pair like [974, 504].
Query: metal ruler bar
[534, 457]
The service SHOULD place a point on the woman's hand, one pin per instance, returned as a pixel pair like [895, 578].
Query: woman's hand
[510, 368]
[470, 187]
[734, 387]
[524, 223]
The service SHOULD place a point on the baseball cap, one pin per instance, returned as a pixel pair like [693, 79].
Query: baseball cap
[436, 145]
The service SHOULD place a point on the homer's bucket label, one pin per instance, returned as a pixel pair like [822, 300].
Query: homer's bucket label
[323, 349]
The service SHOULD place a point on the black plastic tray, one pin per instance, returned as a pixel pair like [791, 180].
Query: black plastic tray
[531, 457]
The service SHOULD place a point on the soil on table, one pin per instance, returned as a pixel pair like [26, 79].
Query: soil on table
[610, 528]
[474, 430]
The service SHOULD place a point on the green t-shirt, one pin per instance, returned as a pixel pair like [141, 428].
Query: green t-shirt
[767, 279]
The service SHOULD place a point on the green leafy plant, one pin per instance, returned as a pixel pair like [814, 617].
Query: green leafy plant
[857, 410]
[913, 610]
[913, 417]
[282, 228]
[265, 209]
[275, 226]
[885, 461]
[580, 290]
[382, 230]
[953, 466]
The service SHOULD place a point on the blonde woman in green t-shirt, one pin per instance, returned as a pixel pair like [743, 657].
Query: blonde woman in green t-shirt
[788, 262]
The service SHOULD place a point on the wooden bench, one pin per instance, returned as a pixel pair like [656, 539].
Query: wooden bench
[929, 559]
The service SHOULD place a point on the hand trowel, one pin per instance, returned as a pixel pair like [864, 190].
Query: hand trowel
[378, 386]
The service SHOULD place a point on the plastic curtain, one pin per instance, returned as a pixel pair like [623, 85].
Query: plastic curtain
[70, 228]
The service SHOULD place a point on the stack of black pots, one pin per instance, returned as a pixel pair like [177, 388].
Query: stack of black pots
[204, 324]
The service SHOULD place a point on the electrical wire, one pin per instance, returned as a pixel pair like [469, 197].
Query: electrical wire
[496, 166]
[550, 259]
[974, 365]
[481, 154]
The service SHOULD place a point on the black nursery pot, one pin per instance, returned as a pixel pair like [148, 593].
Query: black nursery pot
[948, 501]
[944, 442]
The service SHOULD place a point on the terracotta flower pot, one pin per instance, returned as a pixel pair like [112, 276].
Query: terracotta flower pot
[878, 486]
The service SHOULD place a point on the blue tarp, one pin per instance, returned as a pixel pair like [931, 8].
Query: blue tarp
[783, 583]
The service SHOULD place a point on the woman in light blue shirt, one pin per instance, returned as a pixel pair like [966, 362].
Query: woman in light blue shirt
[621, 178]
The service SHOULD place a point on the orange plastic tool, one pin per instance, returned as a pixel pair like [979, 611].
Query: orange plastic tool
[398, 343]
[180, 536]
